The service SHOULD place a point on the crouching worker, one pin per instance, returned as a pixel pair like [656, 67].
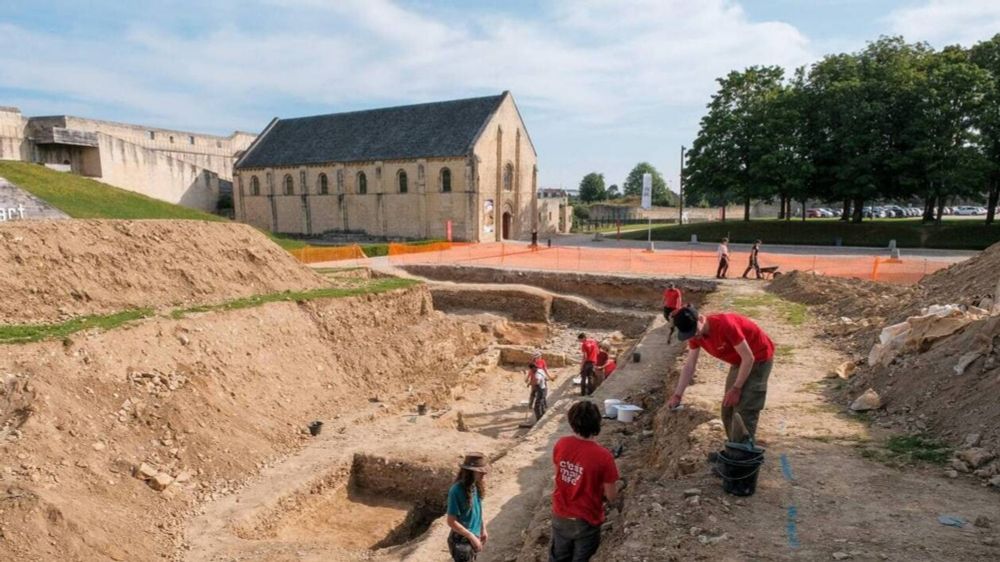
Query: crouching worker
[586, 477]
[465, 509]
[737, 340]
[606, 364]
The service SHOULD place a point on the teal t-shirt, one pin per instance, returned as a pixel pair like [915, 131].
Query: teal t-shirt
[471, 517]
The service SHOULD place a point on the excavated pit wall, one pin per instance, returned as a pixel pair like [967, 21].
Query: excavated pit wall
[612, 290]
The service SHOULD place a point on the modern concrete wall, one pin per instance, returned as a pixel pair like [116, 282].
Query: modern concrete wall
[156, 174]
[12, 138]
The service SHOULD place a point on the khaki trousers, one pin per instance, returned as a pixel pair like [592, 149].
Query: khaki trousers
[751, 400]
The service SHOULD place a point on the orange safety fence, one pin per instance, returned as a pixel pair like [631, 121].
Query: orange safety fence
[670, 261]
[401, 249]
[317, 254]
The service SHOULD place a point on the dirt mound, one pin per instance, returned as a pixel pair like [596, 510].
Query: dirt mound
[842, 297]
[60, 269]
[967, 282]
[197, 406]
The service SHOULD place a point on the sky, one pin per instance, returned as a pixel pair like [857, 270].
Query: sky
[601, 84]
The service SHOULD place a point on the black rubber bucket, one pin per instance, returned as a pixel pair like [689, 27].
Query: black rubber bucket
[739, 465]
[636, 357]
[315, 427]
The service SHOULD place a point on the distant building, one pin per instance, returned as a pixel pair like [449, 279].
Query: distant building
[179, 167]
[397, 172]
[555, 215]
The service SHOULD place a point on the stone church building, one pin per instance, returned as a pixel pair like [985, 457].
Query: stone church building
[397, 172]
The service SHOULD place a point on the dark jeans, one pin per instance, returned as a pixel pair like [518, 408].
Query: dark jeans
[460, 548]
[538, 401]
[754, 266]
[667, 311]
[573, 540]
[587, 383]
[723, 267]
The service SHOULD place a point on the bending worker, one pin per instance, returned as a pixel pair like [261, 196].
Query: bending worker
[737, 340]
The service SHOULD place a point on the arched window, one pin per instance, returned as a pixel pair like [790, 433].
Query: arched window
[289, 185]
[254, 185]
[508, 177]
[401, 176]
[445, 180]
[324, 186]
[340, 180]
[362, 183]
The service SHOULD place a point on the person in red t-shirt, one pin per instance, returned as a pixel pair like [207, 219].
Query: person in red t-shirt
[672, 300]
[737, 340]
[586, 476]
[588, 347]
[605, 363]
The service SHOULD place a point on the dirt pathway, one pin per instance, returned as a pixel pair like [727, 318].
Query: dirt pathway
[818, 497]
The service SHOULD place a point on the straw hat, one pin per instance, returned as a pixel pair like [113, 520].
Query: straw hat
[476, 462]
[537, 354]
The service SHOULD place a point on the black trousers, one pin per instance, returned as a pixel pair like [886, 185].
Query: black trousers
[538, 401]
[573, 540]
[587, 382]
[460, 548]
[754, 266]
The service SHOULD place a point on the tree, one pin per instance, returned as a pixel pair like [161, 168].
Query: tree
[661, 195]
[735, 135]
[986, 55]
[592, 188]
[613, 192]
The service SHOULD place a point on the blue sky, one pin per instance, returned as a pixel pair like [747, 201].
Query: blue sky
[601, 84]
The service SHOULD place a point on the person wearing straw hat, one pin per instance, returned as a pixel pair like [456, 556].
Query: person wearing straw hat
[465, 509]
[537, 378]
[739, 341]
[586, 477]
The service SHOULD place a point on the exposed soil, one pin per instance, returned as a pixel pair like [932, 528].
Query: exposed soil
[54, 270]
[818, 497]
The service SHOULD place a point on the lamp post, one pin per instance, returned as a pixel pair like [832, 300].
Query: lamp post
[680, 183]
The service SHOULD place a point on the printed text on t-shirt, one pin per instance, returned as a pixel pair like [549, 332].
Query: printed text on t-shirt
[570, 472]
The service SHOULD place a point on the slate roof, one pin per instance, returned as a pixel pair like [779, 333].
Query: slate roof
[427, 130]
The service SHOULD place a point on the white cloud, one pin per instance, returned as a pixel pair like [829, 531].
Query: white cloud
[616, 67]
[946, 22]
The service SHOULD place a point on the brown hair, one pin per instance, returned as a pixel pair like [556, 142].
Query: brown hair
[585, 419]
[467, 479]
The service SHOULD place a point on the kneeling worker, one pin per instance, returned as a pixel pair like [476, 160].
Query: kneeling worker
[737, 340]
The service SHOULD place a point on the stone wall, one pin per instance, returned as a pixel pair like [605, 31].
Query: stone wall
[421, 212]
[555, 215]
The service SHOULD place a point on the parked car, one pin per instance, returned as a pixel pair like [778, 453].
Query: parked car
[813, 213]
[966, 210]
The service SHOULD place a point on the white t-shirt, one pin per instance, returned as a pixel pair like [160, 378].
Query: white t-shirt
[541, 378]
[723, 250]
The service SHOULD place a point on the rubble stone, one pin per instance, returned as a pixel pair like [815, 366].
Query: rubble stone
[161, 481]
[868, 401]
[976, 456]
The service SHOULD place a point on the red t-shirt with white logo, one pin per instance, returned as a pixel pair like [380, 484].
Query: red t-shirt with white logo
[589, 350]
[726, 331]
[672, 298]
[582, 469]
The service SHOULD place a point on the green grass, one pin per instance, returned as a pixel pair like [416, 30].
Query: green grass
[374, 286]
[26, 333]
[84, 198]
[908, 233]
[285, 241]
[902, 450]
[792, 312]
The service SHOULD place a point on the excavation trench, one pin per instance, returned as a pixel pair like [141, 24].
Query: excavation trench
[373, 484]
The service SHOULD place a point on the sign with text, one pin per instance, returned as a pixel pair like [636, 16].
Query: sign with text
[647, 191]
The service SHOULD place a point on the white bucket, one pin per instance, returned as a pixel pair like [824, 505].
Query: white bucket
[627, 412]
[611, 407]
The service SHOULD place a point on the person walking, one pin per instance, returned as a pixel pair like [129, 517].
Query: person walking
[538, 380]
[586, 476]
[753, 265]
[588, 347]
[672, 300]
[465, 509]
[738, 341]
[723, 253]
